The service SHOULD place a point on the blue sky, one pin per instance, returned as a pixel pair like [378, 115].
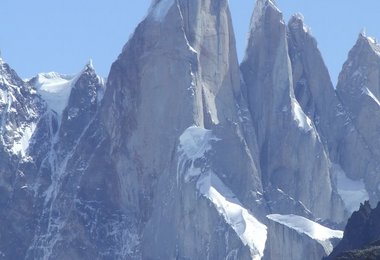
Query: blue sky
[62, 35]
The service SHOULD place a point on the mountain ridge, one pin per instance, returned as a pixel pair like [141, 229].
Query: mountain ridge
[200, 151]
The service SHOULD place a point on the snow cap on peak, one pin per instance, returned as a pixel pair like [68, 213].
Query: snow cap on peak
[371, 42]
[363, 36]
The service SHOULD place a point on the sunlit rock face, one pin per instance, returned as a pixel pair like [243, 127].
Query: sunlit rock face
[358, 89]
[184, 154]
[292, 156]
[20, 111]
[128, 181]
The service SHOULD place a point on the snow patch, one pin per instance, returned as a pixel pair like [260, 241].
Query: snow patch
[371, 40]
[160, 9]
[374, 45]
[367, 92]
[55, 89]
[305, 226]
[26, 133]
[352, 192]
[193, 144]
[251, 231]
[3, 97]
[303, 121]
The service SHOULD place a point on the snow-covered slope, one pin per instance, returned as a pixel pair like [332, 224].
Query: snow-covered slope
[305, 226]
[55, 89]
[195, 142]
[251, 231]
[295, 237]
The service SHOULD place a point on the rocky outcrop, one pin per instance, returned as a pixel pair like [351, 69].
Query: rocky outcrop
[372, 252]
[361, 234]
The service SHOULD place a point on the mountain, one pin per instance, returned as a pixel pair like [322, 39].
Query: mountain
[183, 153]
[361, 235]
[358, 89]
[20, 110]
[292, 155]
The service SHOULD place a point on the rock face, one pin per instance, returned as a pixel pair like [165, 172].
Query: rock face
[291, 150]
[183, 153]
[58, 135]
[358, 88]
[344, 144]
[20, 110]
[109, 188]
[34, 142]
[361, 235]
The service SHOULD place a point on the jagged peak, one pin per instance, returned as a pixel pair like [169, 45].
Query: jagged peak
[259, 11]
[88, 68]
[297, 22]
[368, 41]
[90, 64]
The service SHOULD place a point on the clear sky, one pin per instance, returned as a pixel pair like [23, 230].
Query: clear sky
[62, 35]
